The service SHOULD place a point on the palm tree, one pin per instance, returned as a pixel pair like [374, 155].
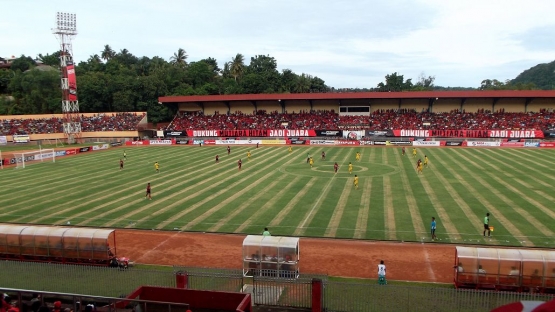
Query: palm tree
[179, 58]
[237, 66]
[94, 59]
[107, 53]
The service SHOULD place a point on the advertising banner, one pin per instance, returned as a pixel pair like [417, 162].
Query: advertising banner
[72, 81]
[321, 142]
[252, 133]
[84, 149]
[346, 142]
[291, 133]
[470, 133]
[225, 142]
[113, 144]
[100, 147]
[272, 142]
[354, 134]
[426, 143]
[512, 144]
[547, 144]
[531, 144]
[60, 153]
[390, 143]
[13, 161]
[3, 140]
[160, 142]
[451, 143]
[299, 142]
[379, 133]
[363, 142]
[71, 151]
[549, 134]
[21, 138]
[175, 133]
[143, 142]
[330, 133]
[482, 144]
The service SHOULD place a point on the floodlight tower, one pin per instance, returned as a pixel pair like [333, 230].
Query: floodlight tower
[66, 29]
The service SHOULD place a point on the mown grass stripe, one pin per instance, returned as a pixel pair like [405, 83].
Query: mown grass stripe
[417, 222]
[333, 224]
[364, 208]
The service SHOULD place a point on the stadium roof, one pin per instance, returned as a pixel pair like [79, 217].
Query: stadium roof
[360, 95]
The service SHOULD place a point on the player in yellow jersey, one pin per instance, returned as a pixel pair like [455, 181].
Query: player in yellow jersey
[413, 152]
[425, 161]
[357, 157]
[356, 182]
[290, 149]
[249, 155]
[419, 166]
[157, 167]
[311, 162]
[350, 168]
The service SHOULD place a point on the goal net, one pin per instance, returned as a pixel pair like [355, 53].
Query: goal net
[44, 155]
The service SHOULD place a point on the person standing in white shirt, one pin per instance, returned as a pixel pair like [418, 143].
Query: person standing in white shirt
[381, 273]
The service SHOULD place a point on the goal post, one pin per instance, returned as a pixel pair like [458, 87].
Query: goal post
[26, 158]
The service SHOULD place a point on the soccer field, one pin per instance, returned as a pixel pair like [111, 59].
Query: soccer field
[279, 190]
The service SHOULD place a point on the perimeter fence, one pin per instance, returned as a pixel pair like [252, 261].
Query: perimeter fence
[359, 296]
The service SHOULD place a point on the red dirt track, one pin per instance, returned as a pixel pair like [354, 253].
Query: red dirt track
[334, 257]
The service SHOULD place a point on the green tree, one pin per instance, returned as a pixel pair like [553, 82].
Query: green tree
[424, 83]
[108, 53]
[303, 84]
[22, 63]
[50, 59]
[237, 66]
[5, 77]
[179, 58]
[395, 83]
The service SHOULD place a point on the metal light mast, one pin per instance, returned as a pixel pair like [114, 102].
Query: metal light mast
[66, 29]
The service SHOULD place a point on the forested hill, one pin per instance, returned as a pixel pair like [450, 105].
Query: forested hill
[541, 75]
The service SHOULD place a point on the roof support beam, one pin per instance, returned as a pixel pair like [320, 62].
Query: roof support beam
[282, 104]
[528, 101]
[495, 100]
[463, 101]
[226, 103]
[255, 107]
[310, 102]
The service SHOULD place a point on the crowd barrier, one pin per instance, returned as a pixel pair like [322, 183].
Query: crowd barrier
[343, 142]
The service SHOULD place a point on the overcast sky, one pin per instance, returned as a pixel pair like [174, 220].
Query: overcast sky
[351, 43]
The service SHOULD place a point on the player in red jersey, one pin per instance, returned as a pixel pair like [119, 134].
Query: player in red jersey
[323, 155]
[217, 159]
[228, 150]
[239, 164]
[335, 167]
[148, 195]
[403, 151]
[121, 164]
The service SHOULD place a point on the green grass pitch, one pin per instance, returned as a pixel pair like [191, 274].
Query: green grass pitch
[279, 190]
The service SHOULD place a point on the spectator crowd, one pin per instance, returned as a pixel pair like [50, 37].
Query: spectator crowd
[390, 119]
[98, 122]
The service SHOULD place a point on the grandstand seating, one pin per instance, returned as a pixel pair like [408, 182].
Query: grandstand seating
[98, 122]
[317, 120]
[378, 120]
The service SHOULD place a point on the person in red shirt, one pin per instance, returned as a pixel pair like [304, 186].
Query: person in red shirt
[120, 164]
[335, 167]
[323, 155]
[228, 150]
[217, 159]
[148, 192]
[239, 163]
